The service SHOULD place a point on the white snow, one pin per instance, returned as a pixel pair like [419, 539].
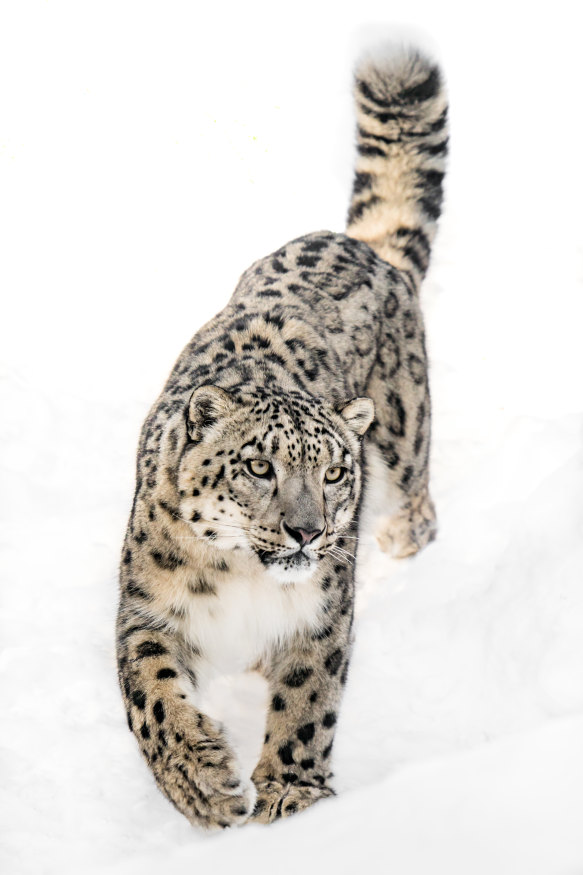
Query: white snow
[150, 152]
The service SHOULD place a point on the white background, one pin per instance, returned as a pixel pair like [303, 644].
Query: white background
[148, 153]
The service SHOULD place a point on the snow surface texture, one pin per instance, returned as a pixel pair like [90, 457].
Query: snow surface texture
[149, 152]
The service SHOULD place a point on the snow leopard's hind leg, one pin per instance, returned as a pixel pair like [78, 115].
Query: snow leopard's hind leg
[397, 454]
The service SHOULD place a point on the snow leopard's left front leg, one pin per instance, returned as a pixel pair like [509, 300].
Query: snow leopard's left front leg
[306, 685]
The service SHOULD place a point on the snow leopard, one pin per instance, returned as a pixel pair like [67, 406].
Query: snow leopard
[240, 547]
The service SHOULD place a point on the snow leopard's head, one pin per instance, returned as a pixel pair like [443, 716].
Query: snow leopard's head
[275, 474]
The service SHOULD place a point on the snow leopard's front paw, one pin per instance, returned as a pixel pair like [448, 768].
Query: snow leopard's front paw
[409, 530]
[201, 775]
[232, 808]
[210, 796]
[275, 799]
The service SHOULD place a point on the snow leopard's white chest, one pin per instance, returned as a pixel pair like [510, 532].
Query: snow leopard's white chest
[249, 615]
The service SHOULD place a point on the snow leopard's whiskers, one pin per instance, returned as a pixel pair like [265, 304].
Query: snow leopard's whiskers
[346, 560]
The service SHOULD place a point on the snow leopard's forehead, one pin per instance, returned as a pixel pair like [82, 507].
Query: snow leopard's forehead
[297, 431]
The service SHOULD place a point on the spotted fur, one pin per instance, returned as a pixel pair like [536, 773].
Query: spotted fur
[240, 545]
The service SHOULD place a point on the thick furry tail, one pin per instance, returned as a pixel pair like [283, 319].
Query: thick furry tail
[402, 145]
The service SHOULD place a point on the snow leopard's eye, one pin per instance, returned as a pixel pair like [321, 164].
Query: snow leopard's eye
[335, 474]
[259, 468]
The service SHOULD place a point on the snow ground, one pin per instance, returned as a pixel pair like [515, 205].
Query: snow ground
[148, 153]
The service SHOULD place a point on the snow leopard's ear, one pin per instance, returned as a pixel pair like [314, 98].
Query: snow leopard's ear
[206, 406]
[358, 414]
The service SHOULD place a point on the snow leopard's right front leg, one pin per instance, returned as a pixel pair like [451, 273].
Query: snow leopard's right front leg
[189, 755]
[306, 685]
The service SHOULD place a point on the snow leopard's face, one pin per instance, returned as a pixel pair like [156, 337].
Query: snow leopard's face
[277, 475]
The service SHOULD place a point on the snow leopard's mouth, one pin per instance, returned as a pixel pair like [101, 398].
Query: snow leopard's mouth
[292, 567]
[299, 559]
[297, 567]
[296, 559]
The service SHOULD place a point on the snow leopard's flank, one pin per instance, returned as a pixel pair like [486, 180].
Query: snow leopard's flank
[238, 552]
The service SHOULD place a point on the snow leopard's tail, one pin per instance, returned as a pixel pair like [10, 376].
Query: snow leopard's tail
[402, 145]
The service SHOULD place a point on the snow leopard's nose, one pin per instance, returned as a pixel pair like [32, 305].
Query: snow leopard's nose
[302, 536]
